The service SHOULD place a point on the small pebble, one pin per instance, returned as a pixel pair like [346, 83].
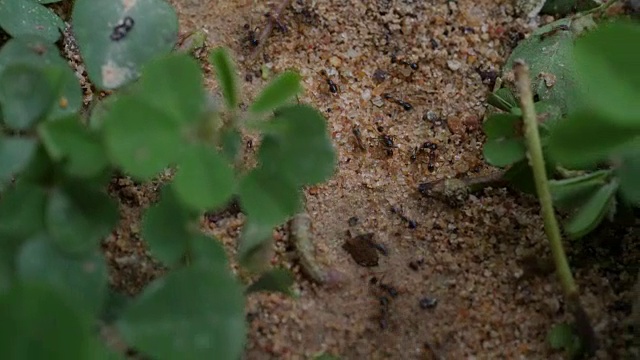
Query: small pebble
[366, 95]
[454, 65]
[335, 61]
[428, 303]
[430, 116]
[379, 76]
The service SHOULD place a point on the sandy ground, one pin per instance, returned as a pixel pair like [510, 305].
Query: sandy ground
[455, 282]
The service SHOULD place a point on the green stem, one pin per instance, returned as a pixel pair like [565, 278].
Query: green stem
[600, 9]
[536, 161]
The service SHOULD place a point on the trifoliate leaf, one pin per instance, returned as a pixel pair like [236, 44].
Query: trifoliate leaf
[126, 35]
[608, 71]
[22, 209]
[39, 53]
[79, 216]
[204, 179]
[502, 99]
[277, 93]
[549, 55]
[82, 278]
[572, 192]
[585, 138]
[297, 145]
[208, 322]
[591, 213]
[27, 17]
[140, 138]
[278, 280]
[226, 75]
[231, 141]
[68, 139]
[15, 154]
[504, 152]
[503, 126]
[165, 227]
[180, 94]
[255, 239]
[628, 173]
[267, 197]
[38, 322]
[207, 252]
[26, 95]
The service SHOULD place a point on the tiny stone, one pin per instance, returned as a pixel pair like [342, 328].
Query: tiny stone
[366, 95]
[335, 61]
[361, 250]
[454, 65]
[377, 101]
[428, 303]
[430, 116]
[379, 76]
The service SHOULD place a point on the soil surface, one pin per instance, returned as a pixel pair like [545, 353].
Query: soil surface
[445, 282]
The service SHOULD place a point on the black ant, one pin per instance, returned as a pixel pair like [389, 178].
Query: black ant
[333, 88]
[394, 59]
[121, 30]
[405, 105]
[429, 148]
[555, 30]
[358, 135]
[413, 66]
[387, 141]
[251, 35]
[411, 224]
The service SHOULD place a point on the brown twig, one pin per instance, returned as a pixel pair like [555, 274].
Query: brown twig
[264, 35]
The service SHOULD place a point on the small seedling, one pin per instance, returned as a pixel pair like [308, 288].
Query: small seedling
[578, 122]
[57, 159]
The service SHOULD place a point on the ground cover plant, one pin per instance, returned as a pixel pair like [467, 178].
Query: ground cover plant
[568, 130]
[57, 160]
[571, 138]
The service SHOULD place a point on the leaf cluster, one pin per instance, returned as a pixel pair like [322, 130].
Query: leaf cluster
[586, 84]
[56, 160]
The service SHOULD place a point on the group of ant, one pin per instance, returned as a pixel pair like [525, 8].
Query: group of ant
[389, 145]
[387, 141]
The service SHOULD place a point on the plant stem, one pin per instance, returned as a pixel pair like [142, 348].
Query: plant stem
[552, 229]
[536, 160]
[599, 9]
[267, 29]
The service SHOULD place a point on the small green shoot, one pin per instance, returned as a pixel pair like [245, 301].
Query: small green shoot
[563, 337]
[160, 124]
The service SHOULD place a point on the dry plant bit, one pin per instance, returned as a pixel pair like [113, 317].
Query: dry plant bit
[274, 20]
[455, 192]
[299, 233]
[363, 249]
